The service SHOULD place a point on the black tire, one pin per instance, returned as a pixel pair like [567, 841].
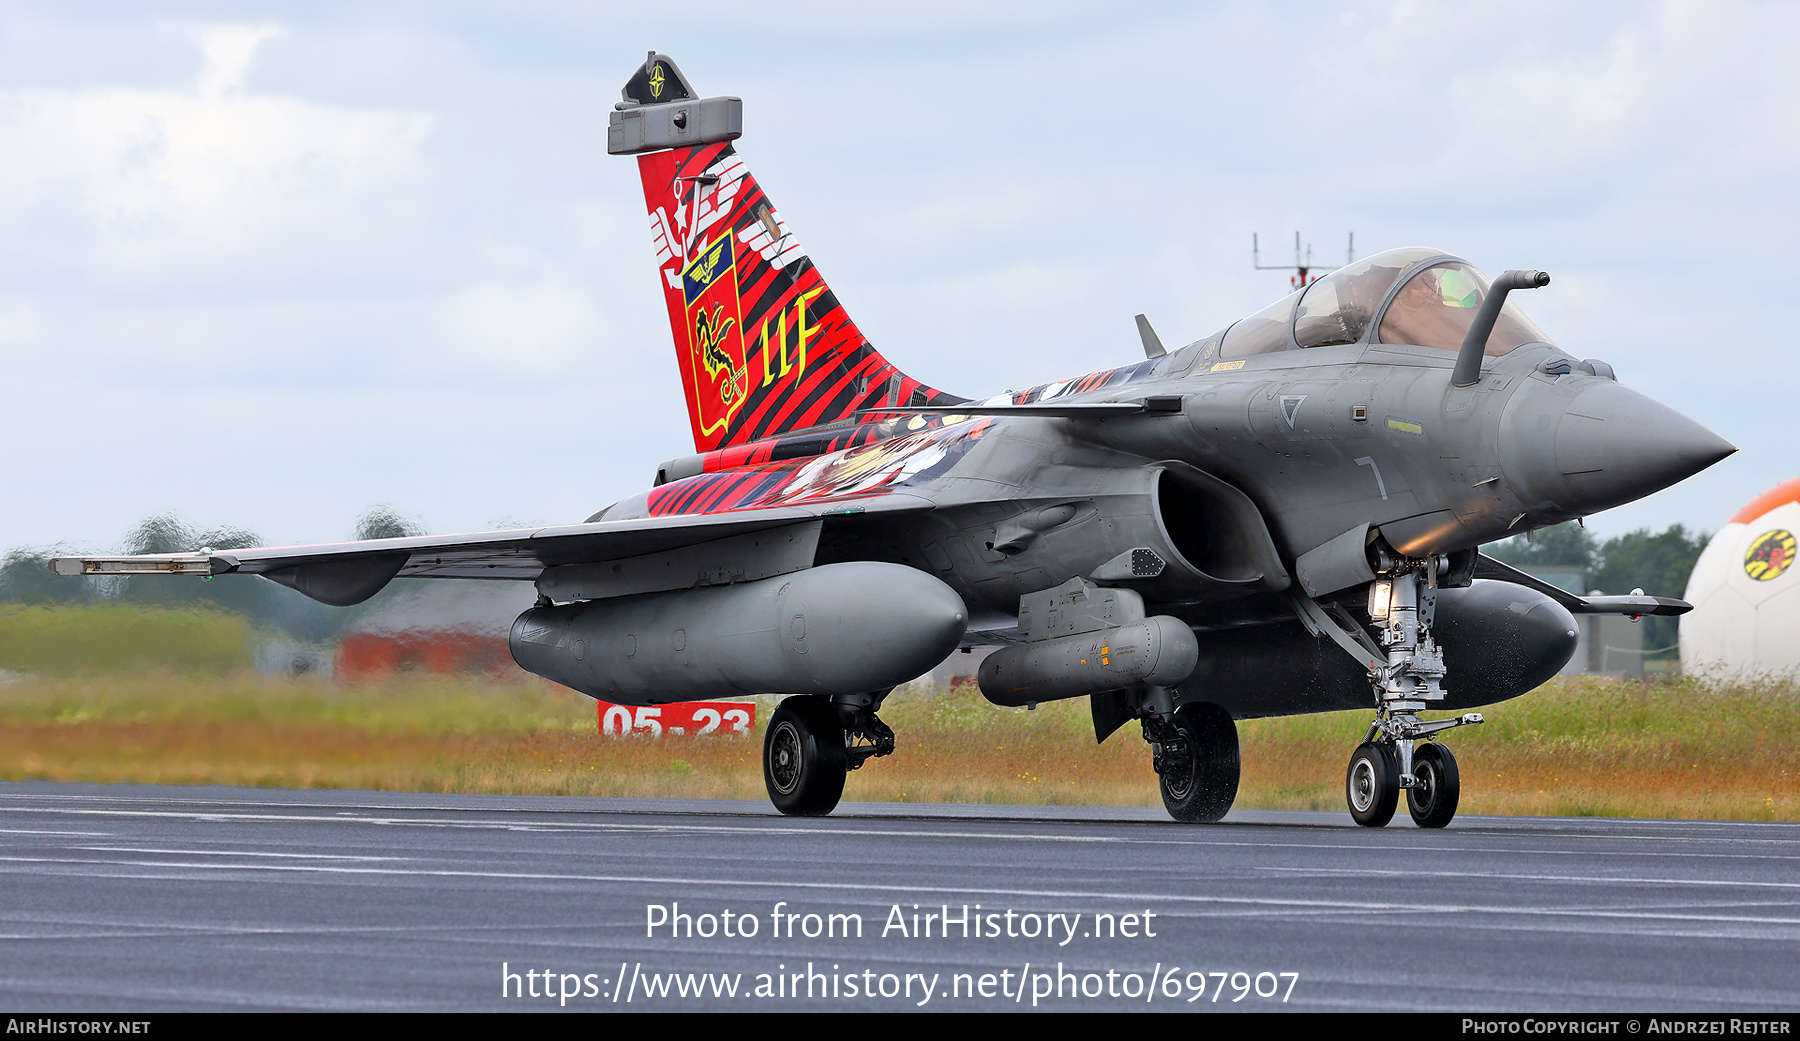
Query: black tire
[804, 762]
[1372, 786]
[1200, 787]
[1433, 803]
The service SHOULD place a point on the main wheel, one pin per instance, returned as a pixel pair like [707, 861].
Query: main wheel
[1200, 785]
[1433, 802]
[1372, 786]
[803, 757]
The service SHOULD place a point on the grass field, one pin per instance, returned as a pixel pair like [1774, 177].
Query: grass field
[1682, 748]
[122, 639]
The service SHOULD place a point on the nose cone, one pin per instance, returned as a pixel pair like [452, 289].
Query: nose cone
[1613, 445]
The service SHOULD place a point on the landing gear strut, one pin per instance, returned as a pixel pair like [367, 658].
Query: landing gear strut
[813, 742]
[1392, 757]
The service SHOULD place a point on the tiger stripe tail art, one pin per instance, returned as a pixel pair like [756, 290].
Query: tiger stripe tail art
[763, 344]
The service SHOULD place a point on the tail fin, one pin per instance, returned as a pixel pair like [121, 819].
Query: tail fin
[763, 344]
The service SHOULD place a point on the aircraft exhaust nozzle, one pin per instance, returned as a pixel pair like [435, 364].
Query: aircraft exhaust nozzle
[849, 628]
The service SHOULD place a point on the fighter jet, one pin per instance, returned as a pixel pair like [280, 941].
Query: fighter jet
[1282, 517]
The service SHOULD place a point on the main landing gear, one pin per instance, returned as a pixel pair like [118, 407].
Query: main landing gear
[1397, 754]
[813, 742]
[1194, 750]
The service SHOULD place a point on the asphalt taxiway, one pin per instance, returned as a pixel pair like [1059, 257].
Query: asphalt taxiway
[137, 898]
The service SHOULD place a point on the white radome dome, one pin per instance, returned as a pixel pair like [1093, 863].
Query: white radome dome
[1746, 591]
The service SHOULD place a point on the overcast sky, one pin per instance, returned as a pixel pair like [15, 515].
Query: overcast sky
[268, 265]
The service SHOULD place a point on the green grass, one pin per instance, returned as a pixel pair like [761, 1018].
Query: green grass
[1585, 746]
[130, 693]
[122, 638]
[411, 703]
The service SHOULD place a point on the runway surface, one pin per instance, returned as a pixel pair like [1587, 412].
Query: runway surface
[137, 898]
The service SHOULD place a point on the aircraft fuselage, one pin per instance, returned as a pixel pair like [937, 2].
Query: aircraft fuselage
[1318, 441]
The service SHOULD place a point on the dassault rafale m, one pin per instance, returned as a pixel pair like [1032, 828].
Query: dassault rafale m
[1282, 517]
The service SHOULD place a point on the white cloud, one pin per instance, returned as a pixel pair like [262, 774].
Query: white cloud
[228, 50]
[178, 190]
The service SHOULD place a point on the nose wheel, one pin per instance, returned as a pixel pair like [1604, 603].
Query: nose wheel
[1373, 784]
[1432, 798]
[804, 757]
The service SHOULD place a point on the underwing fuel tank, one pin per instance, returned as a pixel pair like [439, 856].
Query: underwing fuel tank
[847, 628]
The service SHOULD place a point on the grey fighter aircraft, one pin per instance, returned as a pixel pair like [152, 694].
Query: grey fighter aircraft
[1282, 517]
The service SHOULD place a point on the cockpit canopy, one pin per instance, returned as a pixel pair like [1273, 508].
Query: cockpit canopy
[1433, 307]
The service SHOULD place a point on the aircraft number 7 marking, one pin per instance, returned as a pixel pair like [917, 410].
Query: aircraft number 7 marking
[1379, 483]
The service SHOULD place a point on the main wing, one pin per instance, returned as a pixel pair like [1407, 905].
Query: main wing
[572, 561]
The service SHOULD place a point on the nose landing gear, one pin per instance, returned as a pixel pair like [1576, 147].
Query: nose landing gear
[1406, 674]
[1373, 784]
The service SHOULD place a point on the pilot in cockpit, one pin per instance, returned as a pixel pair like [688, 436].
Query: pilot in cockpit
[1338, 308]
[1436, 307]
[1433, 309]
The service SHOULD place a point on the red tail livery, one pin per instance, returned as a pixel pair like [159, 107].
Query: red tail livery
[763, 344]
